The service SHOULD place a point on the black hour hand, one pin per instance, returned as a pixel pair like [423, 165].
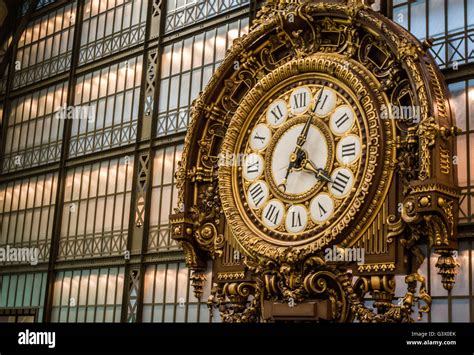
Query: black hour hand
[319, 173]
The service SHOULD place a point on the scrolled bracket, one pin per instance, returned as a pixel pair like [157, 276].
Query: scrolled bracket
[430, 211]
[238, 302]
[387, 311]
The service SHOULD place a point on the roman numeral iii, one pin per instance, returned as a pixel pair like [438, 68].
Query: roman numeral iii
[340, 182]
[348, 150]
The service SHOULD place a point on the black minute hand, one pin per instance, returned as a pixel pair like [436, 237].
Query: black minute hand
[304, 133]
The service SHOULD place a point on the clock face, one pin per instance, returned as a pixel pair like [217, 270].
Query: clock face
[303, 159]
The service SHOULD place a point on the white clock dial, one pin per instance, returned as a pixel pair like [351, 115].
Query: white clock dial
[291, 204]
[321, 208]
[326, 104]
[342, 182]
[277, 113]
[273, 213]
[257, 194]
[253, 166]
[300, 99]
[296, 219]
[348, 149]
[317, 149]
[342, 120]
[260, 137]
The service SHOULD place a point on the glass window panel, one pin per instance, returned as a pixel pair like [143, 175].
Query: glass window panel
[198, 51]
[192, 313]
[135, 106]
[461, 286]
[90, 314]
[155, 206]
[196, 80]
[74, 296]
[148, 287]
[39, 289]
[169, 313]
[180, 313]
[19, 291]
[4, 287]
[171, 283]
[99, 314]
[170, 5]
[221, 43]
[183, 280]
[163, 104]
[158, 313]
[127, 114]
[439, 310]
[400, 16]
[166, 61]
[81, 315]
[109, 314]
[470, 13]
[91, 210]
[29, 280]
[207, 74]
[455, 15]
[184, 95]
[93, 283]
[28, 225]
[460, 310]
[55, 314]
[174, 87]
[119, 293]
[187, 55]
[102, 287]
[204, 314]
[165, 206]
[159, 283]
[118, 19]
[99, 218]
[119, 107]
[83, 287]
[146, 313]
[209, 47]
[470, 98]
[111, 284]
[176, 64]
[112, 80]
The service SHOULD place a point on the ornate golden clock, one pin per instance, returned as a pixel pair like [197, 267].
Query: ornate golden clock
[307, 143]
[296, 147]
